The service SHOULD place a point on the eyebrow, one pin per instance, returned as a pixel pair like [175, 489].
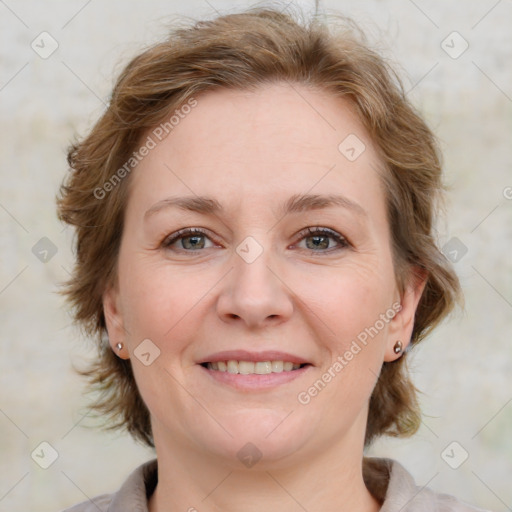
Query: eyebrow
[295, 204]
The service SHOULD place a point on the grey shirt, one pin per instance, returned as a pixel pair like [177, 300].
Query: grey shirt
[386, 479]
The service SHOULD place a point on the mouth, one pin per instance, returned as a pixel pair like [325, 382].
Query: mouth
[250, 371]
[253, 367]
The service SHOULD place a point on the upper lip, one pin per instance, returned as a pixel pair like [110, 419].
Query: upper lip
[244, 355]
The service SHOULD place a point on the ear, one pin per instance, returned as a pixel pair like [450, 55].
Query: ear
[401, 326]
[115, 322]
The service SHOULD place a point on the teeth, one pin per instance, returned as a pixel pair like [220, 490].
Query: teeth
[250, 367]
[245, 367]
[263, 367]
[232, 366]
[277, 366]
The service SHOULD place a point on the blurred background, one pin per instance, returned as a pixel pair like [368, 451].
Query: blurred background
[58, 62]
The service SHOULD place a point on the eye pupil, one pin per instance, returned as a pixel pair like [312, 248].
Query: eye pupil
[323, 242]
[317, 240]
[193, 245]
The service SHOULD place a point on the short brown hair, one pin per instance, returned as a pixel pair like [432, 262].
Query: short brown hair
[242, 51]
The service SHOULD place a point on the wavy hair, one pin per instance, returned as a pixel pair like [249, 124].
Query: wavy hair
[245, 50]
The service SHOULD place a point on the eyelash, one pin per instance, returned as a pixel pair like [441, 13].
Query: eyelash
[305, 233]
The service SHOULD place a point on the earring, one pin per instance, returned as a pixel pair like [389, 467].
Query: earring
[397, 349]
[119, 346]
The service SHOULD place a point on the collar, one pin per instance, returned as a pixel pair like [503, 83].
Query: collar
[386, 479]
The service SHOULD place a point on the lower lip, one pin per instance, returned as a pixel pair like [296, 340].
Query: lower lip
[255, 381]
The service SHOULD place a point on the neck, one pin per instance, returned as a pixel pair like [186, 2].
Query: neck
[328, 480]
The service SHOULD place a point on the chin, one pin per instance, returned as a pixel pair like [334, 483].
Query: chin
[265, 438]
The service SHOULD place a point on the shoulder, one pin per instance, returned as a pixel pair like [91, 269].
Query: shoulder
[395, 486]
[100, 503]
[131, 497]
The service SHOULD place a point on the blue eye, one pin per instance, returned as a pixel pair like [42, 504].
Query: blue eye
[192, 239]
[319, 240]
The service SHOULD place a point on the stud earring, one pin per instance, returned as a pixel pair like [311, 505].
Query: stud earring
[119, 346]
[397, 349]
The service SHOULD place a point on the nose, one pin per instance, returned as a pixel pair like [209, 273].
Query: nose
[255, 294]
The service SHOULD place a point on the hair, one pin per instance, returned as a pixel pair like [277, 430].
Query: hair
[245, 50]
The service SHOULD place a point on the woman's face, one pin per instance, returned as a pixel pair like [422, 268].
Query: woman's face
[292, 265]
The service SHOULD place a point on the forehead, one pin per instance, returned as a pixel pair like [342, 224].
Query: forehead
[278, 139]
[251, 124]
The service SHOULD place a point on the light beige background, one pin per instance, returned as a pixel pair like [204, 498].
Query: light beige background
[464, 369]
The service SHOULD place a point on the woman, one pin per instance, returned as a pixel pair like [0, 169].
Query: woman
[255, 256]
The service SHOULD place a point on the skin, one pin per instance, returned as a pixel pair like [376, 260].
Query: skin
[251, 151]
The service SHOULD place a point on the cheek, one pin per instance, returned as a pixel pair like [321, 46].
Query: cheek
[160, 303]
[346, 299]
[347, 308]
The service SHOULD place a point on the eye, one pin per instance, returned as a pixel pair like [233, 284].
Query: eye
[319, 239]
[190, 239]
[316, 239]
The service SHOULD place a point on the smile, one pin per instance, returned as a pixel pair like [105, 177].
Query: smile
[252, 367]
